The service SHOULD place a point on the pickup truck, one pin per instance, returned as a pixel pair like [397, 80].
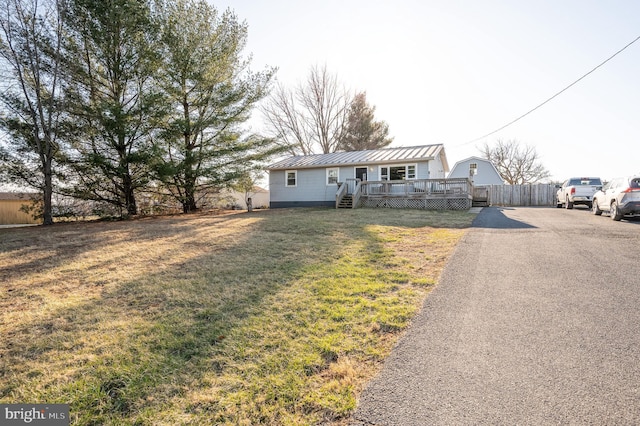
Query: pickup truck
[576, 191]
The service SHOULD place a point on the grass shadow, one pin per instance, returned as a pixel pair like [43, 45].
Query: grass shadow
[178, 332]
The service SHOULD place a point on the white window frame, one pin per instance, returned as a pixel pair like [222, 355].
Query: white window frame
[415, 171]
[384, 176]
[473, 169]
[408, 176]
[286, 178]
[328, 176]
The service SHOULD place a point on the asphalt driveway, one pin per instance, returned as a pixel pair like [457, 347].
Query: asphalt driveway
[536, 321]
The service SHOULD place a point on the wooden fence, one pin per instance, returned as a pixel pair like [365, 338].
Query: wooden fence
[522, 195]
[11, 213]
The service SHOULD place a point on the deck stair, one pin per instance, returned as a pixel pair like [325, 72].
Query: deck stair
[346, 202]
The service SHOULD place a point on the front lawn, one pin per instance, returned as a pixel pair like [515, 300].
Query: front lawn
[273, 317]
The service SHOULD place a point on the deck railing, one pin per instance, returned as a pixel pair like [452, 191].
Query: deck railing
[417, 188]
[436, 194]
[342, 191]
[357, 193]
[351, 185]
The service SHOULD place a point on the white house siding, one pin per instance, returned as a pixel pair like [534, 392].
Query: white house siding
[486, 174]
[422, 171]
[311, 189]
[435, 169]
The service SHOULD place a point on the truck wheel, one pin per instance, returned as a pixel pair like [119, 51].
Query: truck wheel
[558, 204]
[569, 205]
[595, 209]
[615, 213]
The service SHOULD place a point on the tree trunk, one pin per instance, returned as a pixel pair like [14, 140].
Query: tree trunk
[47, 205]
[189, 203]
[129, 196]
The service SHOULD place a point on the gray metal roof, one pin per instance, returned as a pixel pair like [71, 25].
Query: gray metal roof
[374, 156]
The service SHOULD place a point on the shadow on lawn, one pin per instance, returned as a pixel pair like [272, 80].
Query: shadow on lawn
[161, 320]
[58, 244]
[136, 343]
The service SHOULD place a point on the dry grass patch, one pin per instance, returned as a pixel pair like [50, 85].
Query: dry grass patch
[276, 317]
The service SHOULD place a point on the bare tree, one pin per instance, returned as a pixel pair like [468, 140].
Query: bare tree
[311, 119]
[30, 53]
[516, 164]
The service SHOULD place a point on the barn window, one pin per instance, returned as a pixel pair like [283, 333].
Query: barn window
[473, 169]
[333, 176]
[291, 178]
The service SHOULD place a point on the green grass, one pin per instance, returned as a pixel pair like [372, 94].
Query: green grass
[276, 317]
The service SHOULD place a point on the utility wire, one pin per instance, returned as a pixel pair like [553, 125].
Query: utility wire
[554, 96]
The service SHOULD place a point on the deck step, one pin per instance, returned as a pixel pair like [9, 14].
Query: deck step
[346, 202]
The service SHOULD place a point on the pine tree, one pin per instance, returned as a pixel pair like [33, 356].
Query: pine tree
[211, 93]
[113, 61]
[362, 131]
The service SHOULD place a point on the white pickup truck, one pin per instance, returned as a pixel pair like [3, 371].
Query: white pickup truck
[576, 191]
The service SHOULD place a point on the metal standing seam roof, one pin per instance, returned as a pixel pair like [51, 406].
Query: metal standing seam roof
[374, 156]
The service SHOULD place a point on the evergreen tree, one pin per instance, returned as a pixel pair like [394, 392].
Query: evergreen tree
[210, 93]
[113, 62]
[362, 132]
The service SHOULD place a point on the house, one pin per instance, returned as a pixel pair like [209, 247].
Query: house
[313, 180]
[11, 212]
[480, 170]
[259, 198]
[238, 200]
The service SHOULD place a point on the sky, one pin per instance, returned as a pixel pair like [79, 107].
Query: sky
[453, 71]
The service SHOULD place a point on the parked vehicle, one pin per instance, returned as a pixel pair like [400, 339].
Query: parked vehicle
[576, 191]
[619, 197]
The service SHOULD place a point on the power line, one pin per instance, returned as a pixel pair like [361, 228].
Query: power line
[554, 96]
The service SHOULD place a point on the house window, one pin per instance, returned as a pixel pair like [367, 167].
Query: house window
[333, 175]
[384, 173]
[473, 169]
[291, 178]
[402, 172]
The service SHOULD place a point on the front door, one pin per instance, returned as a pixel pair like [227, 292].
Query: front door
[361, 173]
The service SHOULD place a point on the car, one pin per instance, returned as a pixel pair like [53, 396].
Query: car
[619, 197]
[576, 191]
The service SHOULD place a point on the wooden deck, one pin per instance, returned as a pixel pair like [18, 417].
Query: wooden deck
[429, 194]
